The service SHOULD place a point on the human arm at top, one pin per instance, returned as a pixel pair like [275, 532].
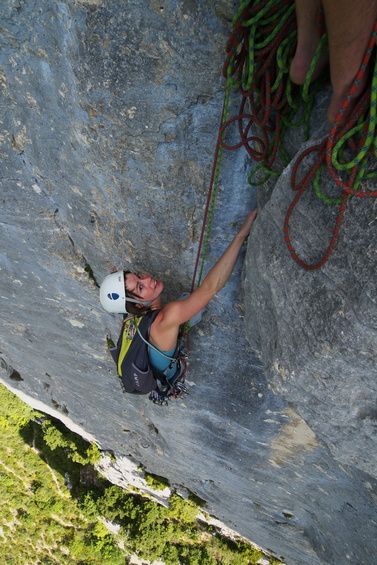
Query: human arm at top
[178, 312]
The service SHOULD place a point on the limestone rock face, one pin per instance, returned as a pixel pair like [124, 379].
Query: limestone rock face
[316, 330]
[109, 116]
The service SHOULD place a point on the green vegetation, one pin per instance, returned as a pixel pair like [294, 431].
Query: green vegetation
[110, 342]
[88, 269]
[55, 505]
[156, 482]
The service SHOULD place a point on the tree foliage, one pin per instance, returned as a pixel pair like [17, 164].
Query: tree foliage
[44, 522]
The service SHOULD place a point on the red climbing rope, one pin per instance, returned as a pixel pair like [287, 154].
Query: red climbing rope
[356, 137]
[261, 41]
[259, 52]
[210, 199]
[251, 70]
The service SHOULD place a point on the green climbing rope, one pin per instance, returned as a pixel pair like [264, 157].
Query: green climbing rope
[259, 51]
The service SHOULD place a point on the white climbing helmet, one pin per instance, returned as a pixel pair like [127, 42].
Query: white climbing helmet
[113, 294]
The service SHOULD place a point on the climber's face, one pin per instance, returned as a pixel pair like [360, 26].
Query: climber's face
[143, 286]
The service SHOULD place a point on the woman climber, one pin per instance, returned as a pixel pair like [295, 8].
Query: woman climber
[127, 292]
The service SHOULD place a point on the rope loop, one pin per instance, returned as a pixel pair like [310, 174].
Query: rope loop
[345, 155]
[259, 52]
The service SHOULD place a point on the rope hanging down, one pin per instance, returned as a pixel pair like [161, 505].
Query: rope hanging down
[259, 52]
[211, 198]
[240, 45]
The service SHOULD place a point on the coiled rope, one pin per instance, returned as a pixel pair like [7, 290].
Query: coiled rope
[259, 53]
[345, 155]
[249, 60]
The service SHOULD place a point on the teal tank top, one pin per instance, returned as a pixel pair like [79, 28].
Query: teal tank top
[160, 363]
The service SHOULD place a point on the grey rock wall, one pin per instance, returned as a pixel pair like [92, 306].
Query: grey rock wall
[109, 120]
[316, 330]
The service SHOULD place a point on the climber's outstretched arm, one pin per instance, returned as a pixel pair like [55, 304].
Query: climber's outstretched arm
[176, 313]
